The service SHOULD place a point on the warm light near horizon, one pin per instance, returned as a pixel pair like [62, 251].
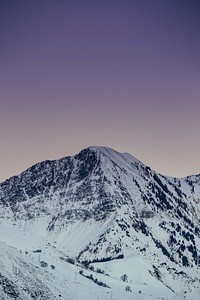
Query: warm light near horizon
[123, 75]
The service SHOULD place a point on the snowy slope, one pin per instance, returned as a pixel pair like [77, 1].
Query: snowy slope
[103, 209]
[22, 277]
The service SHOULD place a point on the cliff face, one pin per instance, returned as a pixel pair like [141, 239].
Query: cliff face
[116, 205]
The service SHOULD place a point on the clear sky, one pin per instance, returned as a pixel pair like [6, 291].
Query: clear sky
[123, 74]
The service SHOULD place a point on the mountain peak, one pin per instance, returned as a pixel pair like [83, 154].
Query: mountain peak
[124, 158]
[101, 205]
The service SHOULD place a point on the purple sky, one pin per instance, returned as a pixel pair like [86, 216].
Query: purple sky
[123, 74]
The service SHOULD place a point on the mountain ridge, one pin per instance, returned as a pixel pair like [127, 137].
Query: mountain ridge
[101, 205]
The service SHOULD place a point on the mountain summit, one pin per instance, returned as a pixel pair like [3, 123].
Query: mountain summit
[102, 206]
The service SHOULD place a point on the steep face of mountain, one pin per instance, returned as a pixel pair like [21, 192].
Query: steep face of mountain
[190, 185]
[137, 210]
[86, 185]
[92, 184]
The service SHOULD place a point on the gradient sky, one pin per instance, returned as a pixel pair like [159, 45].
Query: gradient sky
[122, 74]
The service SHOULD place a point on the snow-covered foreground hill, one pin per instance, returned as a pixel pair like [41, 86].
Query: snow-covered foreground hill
[99, 225]
[26, 273]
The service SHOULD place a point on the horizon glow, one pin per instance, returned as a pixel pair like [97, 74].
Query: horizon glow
[123, 74]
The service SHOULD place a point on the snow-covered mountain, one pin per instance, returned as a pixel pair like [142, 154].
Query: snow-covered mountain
[103, 211]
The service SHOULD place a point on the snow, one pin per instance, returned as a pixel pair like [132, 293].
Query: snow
[127, 184]
[66, 278]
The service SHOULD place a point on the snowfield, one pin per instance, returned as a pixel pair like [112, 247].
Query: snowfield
[99, 225]
[25, 278]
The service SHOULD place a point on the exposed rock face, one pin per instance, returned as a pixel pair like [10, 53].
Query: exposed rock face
[143, 209]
